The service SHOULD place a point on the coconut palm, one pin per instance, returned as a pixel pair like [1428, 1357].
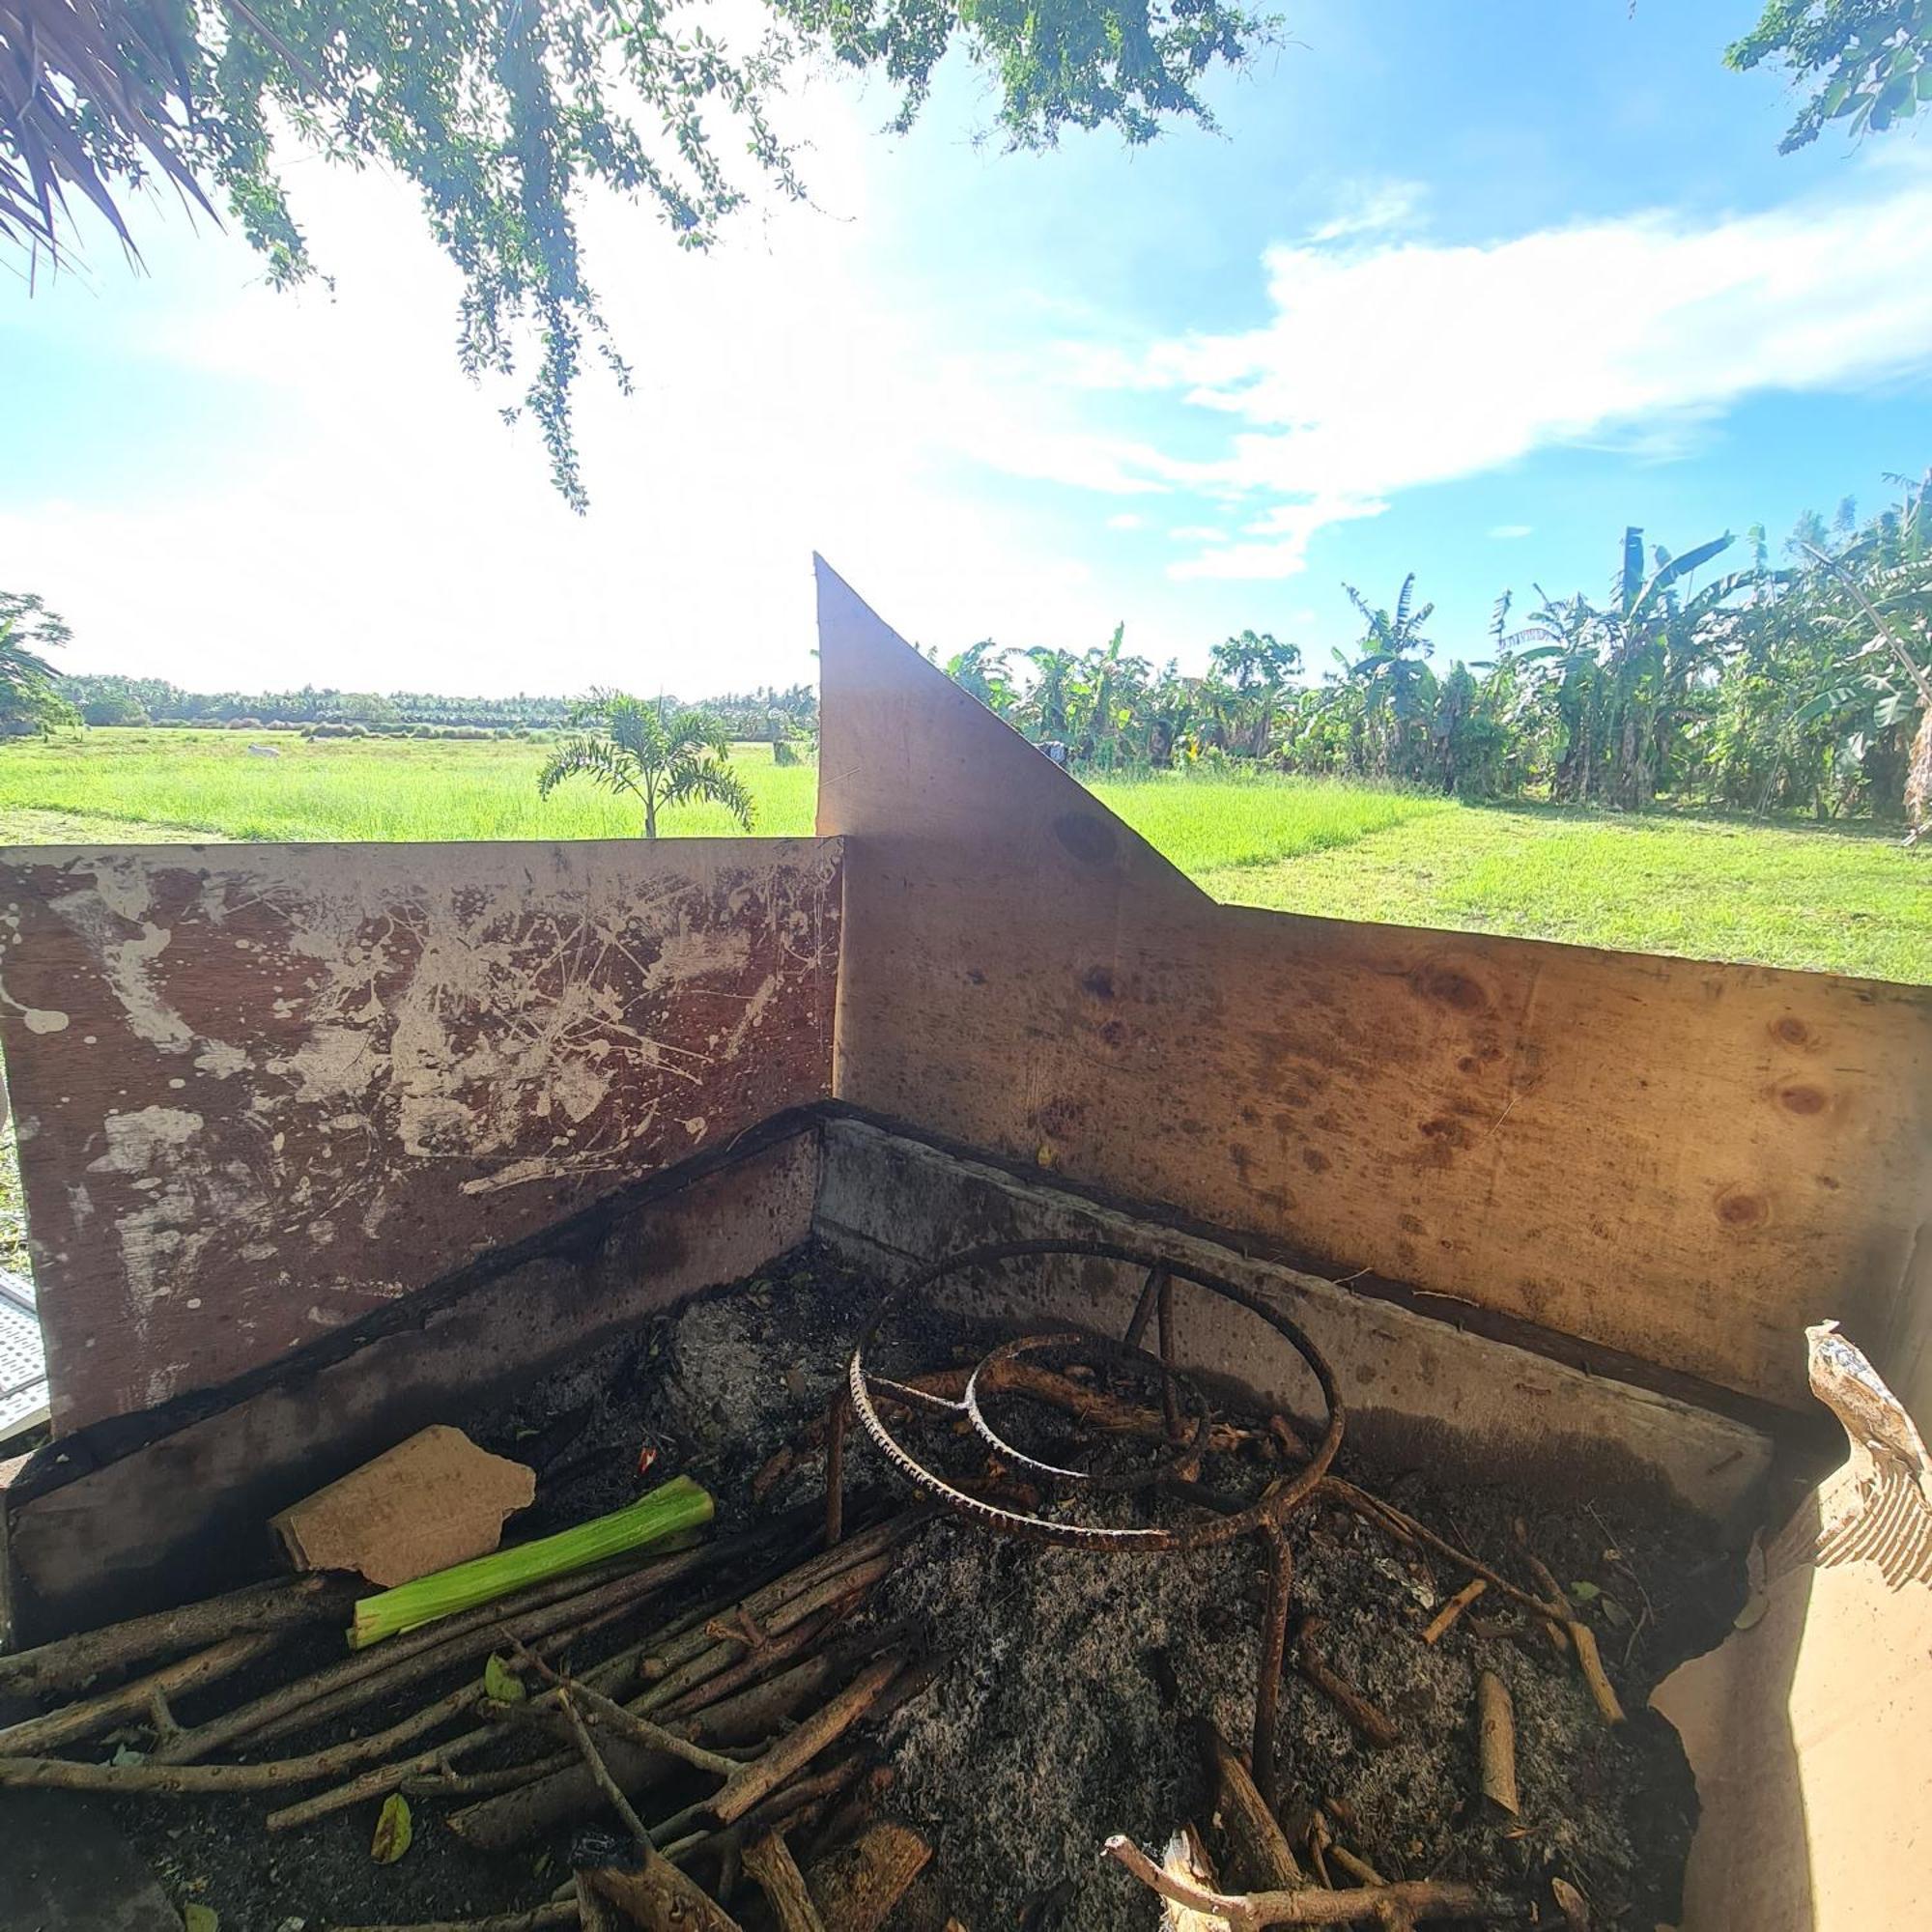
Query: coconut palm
[661, 757]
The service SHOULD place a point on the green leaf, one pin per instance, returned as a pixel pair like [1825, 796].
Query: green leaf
[1585, 1593]
[393, 1830]
[501, 1684]
[199, 1919]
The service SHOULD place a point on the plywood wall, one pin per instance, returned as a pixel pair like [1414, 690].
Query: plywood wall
[1684, 1161]
[263, 1089]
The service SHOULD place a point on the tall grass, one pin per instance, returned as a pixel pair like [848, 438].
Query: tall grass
[362, 788]
[1204, 821]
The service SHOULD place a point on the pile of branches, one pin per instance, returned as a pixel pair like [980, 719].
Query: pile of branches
[735, 1719]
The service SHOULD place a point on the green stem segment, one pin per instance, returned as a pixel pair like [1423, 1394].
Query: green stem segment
[672, 1508]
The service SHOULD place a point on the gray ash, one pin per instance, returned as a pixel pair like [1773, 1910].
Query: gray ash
[1071, 1682]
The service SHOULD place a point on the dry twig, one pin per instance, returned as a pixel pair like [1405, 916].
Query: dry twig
[1393, 1906]
[1370, 1722]
[1496, 1743]
[1443, 1618]
[770, 1865]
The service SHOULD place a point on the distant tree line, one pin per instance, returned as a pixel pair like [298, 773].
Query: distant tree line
[1801, 682]
[767, 714]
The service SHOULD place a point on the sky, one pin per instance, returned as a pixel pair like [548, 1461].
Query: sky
[1461, 292]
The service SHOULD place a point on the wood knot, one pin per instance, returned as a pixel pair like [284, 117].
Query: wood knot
[1740, 1208]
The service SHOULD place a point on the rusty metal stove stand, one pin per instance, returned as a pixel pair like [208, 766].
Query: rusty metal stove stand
[1188, 1421]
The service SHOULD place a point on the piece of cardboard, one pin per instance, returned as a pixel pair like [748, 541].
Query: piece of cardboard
[431, 1501]
[1809, 1728]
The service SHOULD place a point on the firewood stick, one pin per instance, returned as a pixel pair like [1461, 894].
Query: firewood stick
[613, 1716]
[1372, 1726]
[1443, 1618]
[190, 1781]
[856, 1888]
[660, 1898]
[1263, 1859]
[763, 1603]
[601, 1775]
[753, 1714]
[718, 1656]
[1496, 1743]
[764, 1775]
[69, 1663]
[1319, 1841]
[371, 1674]
[1410, 1901]
[1591, 1663]
[762, 1664]
[1385, 1516]
[787, 1807]
[559, 1794]
[793, 1807]
[357, 1789]
[1582, 1640]
[596, 1914]
[537, 1919]
[484, 1783]
[769, 1863]
[90, 1716]
[1358, 1869]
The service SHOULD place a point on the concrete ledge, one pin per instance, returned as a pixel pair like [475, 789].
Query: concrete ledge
[1416, 1388]
[186, 1515]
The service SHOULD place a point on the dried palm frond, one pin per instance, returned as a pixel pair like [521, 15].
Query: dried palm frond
[91, 93]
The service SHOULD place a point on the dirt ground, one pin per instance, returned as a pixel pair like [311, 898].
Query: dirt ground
[1069, 1683]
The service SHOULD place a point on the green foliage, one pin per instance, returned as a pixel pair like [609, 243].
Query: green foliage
[1867, 63]
[659, 756]
[1800, 688]
[30, 696]
[505, 115]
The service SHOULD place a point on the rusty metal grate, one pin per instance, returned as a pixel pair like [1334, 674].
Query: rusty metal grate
[1169, 1475]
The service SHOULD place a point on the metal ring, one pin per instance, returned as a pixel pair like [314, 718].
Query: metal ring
[1270, 1508]
[1099, 1347]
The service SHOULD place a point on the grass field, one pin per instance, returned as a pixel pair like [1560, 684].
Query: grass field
[1845, 900]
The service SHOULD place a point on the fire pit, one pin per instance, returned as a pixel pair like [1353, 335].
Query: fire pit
[1170, 1472]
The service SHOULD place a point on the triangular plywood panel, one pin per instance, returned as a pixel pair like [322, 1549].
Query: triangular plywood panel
[1681, 1161]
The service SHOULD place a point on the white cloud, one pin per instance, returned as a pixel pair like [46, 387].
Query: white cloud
[1199, 533]
[1369, 206]
[1126, 520]
[1404, 363]
[1508, 532]
[381, 528]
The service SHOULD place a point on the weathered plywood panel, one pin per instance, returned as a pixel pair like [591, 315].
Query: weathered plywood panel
[262, 1090]
[1684, 1161]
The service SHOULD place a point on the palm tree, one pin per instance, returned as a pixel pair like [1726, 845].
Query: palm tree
[625, 744]
[1399, 683]
[1260, 669]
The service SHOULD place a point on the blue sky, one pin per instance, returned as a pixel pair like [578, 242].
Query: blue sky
[1457, 291]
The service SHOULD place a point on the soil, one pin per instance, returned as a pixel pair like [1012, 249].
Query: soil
[1069, 1682]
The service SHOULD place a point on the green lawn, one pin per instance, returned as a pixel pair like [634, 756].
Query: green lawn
[1828, 901]
[353, 788]
[1834, 899]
